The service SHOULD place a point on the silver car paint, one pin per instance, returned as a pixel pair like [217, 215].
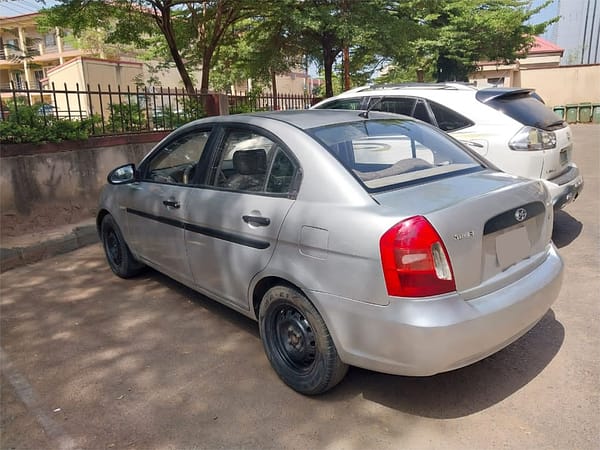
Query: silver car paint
[328, 246]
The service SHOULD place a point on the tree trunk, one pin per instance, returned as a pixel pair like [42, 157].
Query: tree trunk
[207, 55]
[328, 60]
[346, 57]
[164, 24]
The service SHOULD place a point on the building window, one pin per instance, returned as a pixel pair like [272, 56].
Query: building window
[17, 79]
[497, 82]
[39, 75]
[50, 40]
[13, 47]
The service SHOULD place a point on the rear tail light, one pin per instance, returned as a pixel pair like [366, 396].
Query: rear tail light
[530, 138]
[415, 261]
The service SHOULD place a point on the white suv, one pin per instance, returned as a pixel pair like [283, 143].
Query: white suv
[511, 127]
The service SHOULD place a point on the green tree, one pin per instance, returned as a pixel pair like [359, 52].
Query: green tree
[452, 35]
[191, 31]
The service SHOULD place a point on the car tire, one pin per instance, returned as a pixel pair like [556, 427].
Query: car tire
[118, 255]
[298, 343]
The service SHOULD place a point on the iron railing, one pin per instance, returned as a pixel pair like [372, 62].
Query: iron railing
[109, 110]
[269, 102]
[129, 110]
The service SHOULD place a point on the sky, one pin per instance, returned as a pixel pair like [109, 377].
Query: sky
[10, 8]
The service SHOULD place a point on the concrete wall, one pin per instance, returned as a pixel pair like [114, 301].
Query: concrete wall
[95, 72]
[557, 85]
[564, 84]
[62, 176]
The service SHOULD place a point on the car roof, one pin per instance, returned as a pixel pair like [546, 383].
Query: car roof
[311, 118]
[403, 87]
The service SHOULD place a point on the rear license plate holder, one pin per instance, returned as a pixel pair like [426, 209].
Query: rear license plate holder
[512, 247]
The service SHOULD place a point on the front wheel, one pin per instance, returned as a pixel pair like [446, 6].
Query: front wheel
[297, 342]
[118, 255]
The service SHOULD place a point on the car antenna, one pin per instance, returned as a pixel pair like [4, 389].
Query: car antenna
[365, 113]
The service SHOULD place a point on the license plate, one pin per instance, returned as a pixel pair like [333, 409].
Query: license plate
[512, 247]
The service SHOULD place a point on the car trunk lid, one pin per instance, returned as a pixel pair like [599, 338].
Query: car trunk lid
[491, 226]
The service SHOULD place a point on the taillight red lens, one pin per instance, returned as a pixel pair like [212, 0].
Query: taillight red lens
[415, 261]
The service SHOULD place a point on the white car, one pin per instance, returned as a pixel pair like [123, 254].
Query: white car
[511, 127]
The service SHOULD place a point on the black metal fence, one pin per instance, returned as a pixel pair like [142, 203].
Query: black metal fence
[109, 111]
[267, 102]
[98, 111]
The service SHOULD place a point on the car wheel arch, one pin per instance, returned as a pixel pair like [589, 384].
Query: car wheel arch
[99, 218]
[263, 285]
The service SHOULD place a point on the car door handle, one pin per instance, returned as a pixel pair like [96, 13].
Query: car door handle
[171, 204]
[473, 144]
[257, 220]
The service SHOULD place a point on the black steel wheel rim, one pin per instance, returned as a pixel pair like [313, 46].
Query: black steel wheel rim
[113, 249]
[293, 338]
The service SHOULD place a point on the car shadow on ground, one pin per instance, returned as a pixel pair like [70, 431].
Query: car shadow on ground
[453, 394]
[566, 229]
[223, 312]
[464, 391]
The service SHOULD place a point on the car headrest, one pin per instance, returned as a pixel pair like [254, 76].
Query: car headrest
[250, 162]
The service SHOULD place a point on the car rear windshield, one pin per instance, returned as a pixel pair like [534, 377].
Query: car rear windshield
[392, 152]
[528, 110]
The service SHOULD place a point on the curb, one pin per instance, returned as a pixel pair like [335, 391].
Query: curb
[80, 236]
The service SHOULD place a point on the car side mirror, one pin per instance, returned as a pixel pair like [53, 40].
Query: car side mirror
[122, 174]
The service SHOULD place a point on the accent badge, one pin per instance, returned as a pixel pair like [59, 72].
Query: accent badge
[521, 214]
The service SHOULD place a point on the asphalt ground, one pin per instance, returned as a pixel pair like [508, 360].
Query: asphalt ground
[92, 361]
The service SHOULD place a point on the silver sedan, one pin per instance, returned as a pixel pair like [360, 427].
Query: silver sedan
[352, 238]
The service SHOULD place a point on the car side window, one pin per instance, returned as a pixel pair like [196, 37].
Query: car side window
[282, 175]
[447, 119]
[421, 112]
[252, 162]
[345, 103]
[177, 161]
[396, 105]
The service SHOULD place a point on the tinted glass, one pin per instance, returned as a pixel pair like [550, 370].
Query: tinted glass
[421, 112]
[447, 119]
[384, 153]
[176, 162]
[396, 105]
[528, 110]
[344, 103]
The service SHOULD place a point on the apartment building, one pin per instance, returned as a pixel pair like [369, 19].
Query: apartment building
[40, 60]
[26, 54]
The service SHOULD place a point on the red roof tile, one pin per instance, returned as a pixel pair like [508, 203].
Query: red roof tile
[541, 45]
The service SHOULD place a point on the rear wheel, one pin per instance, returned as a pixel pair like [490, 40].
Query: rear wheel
[118, 255]
[297, 342]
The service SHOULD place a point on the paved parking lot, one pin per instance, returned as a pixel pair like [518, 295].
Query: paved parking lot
[92, 361]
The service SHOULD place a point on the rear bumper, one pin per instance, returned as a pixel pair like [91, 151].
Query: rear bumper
[429, 336]
[565, 188]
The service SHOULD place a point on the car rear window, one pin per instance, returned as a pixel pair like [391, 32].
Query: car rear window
[526, 109]
[385, 153]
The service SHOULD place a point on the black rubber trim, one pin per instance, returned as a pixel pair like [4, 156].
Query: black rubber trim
[507, 219]
[223, 235]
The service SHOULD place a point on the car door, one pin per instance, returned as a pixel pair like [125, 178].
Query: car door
[459, 127]
[156, 204]
[233, 224]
